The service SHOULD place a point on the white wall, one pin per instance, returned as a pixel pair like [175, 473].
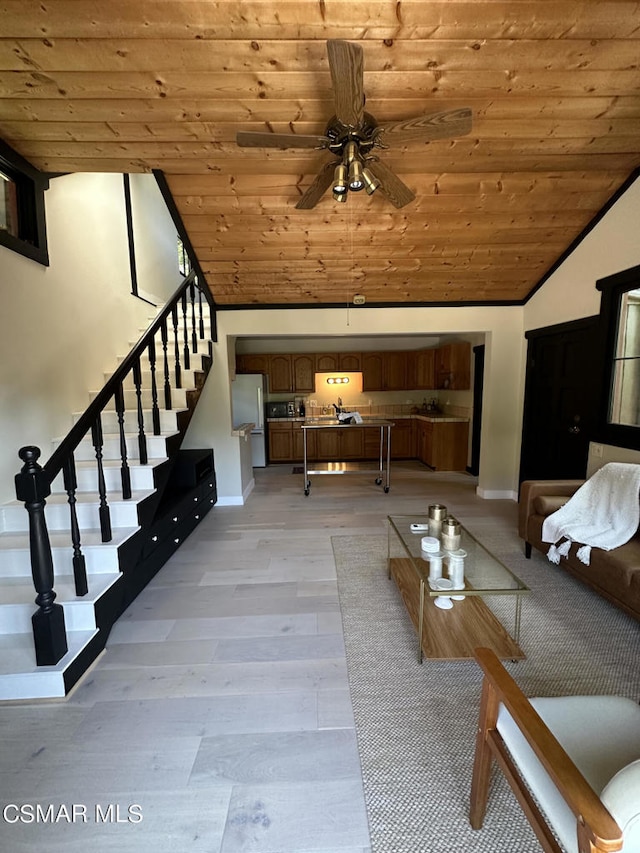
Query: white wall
[613, 245]
[63, 326]
[155, 241]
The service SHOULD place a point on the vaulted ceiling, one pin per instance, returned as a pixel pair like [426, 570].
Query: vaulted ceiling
[554, 90]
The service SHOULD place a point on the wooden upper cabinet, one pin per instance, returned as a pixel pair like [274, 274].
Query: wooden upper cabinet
[303, 367]
[423, 369]
[280, 374]
[453, 366]
[447, 367]
[350, 362]
[252, 363]
[327, 361]
[395, 371]
[372, 371]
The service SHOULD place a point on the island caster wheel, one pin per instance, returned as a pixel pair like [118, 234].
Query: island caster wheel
[386, 489]
[378, 481]
[306, 491]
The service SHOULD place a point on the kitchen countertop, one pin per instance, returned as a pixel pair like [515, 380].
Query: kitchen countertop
[324, 423]
[430, 417]
[242, 430]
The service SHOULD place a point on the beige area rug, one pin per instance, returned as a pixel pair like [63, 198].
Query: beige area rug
[416, 723]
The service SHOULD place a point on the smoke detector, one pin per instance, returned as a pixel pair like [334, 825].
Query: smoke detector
[359, 299]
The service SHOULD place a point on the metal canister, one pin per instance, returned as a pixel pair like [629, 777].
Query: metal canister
[437, 513]
[450, 534]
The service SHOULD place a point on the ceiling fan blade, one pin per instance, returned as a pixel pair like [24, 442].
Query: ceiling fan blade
[264, 139]
[391, 187]
[318, 188]
[347, 75]
[441, 125]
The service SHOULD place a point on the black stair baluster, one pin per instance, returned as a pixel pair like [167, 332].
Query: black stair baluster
[104, 512]
[49, 633]
[176, 343]
[142, 438]
[185, 333]
[155, 411]
[194, 336]
[167, 381]
[125, 472]
[71, 487]
[201, 318]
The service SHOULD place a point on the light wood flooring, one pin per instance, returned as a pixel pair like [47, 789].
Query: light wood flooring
[221, 708]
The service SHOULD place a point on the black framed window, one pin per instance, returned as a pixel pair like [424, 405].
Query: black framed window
[620, 311]
[22, 214]
[184, 261]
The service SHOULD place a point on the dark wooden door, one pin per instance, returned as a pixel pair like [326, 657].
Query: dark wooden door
[562, 398]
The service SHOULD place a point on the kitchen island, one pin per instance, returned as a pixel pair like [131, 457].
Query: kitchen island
[338, 436]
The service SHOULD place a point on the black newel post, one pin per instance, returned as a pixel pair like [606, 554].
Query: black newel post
[32, 487]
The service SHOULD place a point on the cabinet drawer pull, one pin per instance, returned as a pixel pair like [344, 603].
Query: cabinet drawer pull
[154, 538]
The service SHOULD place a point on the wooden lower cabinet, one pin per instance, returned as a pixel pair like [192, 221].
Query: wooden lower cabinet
[443, 445]
[351, 443]
[403, 445]
[281, 442]
[298, 443]
[339, 444]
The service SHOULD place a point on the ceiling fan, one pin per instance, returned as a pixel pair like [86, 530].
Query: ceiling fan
[352, 135]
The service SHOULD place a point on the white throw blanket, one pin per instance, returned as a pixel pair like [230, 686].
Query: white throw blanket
[603, 513]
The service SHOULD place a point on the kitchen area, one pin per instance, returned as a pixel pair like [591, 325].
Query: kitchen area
[425, 392]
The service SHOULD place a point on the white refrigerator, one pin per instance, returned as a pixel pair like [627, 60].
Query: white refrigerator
[247, 404]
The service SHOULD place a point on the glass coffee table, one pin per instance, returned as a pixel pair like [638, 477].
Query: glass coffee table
[451, 623]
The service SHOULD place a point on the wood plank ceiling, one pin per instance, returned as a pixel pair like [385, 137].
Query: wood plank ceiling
[166, 84]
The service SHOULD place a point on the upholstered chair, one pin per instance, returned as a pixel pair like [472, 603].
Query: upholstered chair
[573, 763]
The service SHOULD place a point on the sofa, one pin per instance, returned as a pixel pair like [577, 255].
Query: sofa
[615, 574]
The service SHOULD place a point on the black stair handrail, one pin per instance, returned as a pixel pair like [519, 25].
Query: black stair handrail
[86, 421]
[33, 482]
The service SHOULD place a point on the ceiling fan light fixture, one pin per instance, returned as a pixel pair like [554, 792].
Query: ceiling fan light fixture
[340, 180]
[356, 177]
[371, 183]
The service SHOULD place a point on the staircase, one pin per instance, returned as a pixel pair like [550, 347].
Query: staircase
[145, 528]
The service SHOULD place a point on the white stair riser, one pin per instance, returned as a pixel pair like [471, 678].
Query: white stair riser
[110, 424]
[85, 451]
[123, 514]
[32, 685]
[16, 618]
[87, 478]
[195, 359]
[42, 682]
[178, 398]
[98, 560]
[187, 380]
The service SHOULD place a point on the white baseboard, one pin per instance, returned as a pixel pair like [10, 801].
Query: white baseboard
[497, 494]
[237, 500]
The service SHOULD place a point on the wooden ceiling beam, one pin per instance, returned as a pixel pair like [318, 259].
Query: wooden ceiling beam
[341, 223]
[531, 183]
[266, 19]
[125, 54]
[611, 134]
[315, 111]
[308, 84]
